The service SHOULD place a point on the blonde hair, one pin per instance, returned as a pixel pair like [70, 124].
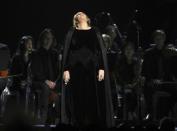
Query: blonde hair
[76, 22]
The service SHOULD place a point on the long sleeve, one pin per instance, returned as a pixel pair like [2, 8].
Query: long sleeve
[38, 73]
[67, 66]
[66, 50]
[100, 60]
[17, 66]
[99, 51]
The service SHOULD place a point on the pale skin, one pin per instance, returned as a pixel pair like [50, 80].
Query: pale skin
[66, 76]
[82, 25]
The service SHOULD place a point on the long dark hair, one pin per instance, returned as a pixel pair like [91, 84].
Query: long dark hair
[42, 36]
[22, 44]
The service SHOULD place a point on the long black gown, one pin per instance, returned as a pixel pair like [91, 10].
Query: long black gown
[86, 99]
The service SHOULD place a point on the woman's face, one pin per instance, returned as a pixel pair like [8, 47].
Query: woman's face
[81, 17]
[129, 51]
[47, 41]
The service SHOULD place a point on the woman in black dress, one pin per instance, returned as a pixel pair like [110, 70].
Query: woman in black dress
[86, 96]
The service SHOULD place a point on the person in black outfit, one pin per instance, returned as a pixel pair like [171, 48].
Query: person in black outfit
[86, 95]
[128, 70]
[113, 52]
[18, 81]
[157, 70]
[4, 71]
[19, 68]
[44, 68]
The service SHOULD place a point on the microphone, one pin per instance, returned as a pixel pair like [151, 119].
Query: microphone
[114, 25]
[117, 30]
[112, 21]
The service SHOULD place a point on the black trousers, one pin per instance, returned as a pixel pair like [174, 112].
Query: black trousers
[48, 110]
[151, 90]
[41, 91]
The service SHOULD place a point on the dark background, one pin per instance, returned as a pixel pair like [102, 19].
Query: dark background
[30, 17]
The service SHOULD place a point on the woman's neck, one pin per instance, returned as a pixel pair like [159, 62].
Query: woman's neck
[83, 26]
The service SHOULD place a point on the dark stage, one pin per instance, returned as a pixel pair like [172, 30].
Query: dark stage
[133, 19]
[30, 17]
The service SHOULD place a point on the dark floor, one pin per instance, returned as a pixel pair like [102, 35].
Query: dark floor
[121, 126]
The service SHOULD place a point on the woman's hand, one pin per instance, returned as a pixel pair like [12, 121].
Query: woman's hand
[100, 75]
[51, 84]
[66, 76]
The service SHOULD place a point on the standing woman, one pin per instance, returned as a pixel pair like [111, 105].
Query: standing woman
[86, 95]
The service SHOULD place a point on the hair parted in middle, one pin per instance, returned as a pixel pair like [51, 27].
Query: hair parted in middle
[43, 35]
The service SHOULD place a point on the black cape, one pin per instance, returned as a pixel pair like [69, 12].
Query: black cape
[65, 118]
